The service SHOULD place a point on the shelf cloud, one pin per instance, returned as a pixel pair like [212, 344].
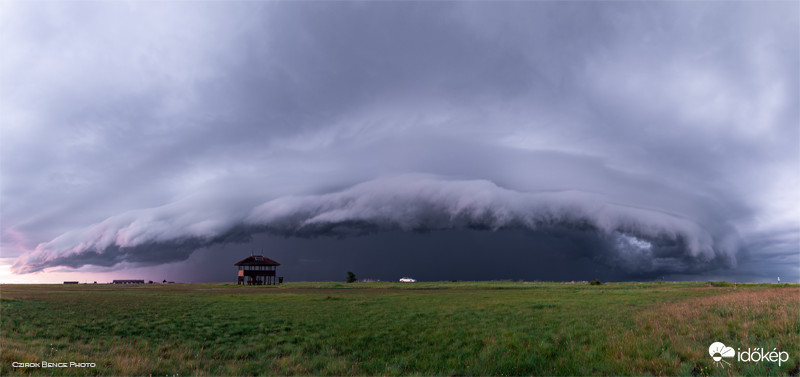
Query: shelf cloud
[661, 137]
[638, 238]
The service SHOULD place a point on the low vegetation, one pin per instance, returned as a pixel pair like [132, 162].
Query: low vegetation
[460, 328]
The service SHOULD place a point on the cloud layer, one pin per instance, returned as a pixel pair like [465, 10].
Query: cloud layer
[667, 133]
[642, 239]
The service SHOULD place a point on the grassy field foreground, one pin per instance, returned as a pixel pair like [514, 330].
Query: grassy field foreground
[484, 328]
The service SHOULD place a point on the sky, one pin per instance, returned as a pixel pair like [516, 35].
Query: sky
[454, 140]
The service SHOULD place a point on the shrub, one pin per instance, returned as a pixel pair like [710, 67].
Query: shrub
[595, 282]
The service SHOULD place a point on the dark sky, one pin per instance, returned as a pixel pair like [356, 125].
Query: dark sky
[438, 140]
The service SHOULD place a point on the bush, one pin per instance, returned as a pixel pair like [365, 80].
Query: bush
[351, 277]
[595, 282]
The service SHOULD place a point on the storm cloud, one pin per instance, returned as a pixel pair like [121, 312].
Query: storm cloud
[659, 137]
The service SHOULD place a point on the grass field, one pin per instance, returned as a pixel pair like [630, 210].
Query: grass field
[481, 328]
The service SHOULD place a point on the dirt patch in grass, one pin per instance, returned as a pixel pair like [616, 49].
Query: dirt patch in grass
[764, 318]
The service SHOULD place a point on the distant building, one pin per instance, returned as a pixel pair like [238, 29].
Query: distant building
[408, 280]
[128, 282]
[70, 282]
[257, 270]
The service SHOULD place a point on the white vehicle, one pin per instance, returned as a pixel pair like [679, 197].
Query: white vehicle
[408, 280]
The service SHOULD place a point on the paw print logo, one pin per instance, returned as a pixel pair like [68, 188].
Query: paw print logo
[717, 350]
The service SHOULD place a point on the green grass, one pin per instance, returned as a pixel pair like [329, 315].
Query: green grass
[460, 328]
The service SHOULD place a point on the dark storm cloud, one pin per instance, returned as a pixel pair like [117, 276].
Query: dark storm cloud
[663, 137]
[639, 239]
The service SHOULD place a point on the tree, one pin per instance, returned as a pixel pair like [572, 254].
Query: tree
[351, 277]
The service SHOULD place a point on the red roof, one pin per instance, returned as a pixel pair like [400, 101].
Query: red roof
[256, 260]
